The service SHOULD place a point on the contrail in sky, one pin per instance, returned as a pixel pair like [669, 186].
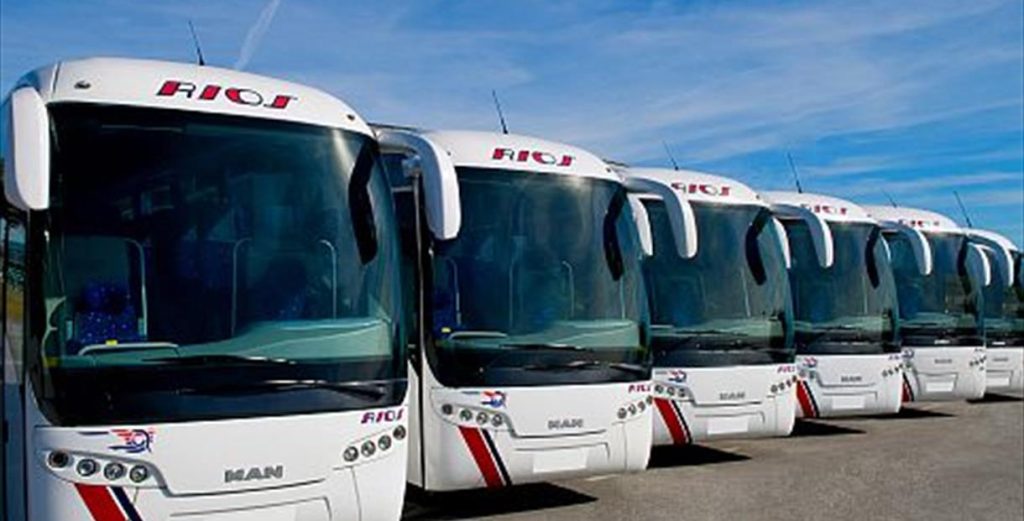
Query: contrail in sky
[256, 33]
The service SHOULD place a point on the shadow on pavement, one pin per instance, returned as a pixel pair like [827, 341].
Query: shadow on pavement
[815, 428]
[688, 455]
[906, 413]
[472, 504]
[997, 398]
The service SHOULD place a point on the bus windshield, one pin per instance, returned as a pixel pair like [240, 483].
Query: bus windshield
[848, 308]
[941, 308]
[1004, 307]
[729, 305]
[542, 285]
[199, 266]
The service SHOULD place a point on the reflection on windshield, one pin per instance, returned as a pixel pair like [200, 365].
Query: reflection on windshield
[729, 305]
[943, 306]
[1004, 307]
[540, 259]
[848, 308]
[176, 235]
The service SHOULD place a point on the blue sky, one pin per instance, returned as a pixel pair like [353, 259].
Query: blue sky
[919, 97]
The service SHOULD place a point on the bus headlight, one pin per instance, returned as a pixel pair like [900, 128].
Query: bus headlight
[87, 467]
[466, 415]
[447, 409]
[384, 442]
[482, 418]
[622, 413]
[113, 471]
[369, 448]
[138, 474]
[497, 420]
[351, 454]
[58, 459]
[399, 432]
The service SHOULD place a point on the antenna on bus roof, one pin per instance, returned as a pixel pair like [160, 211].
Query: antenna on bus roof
[962, 209]
[796, 176]
[501, 115]
[889, 197]
[675, 166]
[195, 41]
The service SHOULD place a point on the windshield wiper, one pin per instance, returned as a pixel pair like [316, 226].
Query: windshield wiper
[219, 359]
[544, 346]
[588, 364]
[367, 389]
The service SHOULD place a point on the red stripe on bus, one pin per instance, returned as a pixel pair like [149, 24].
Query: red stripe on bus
[99, 502]
[478, 449]
[908, 392]
[687, 437]
[803, 395]
[668, 415]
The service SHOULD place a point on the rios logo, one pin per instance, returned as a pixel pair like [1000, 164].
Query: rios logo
[254, 474]
[537, 156]
[236, 95]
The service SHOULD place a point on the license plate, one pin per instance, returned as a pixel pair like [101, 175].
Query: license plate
[939, 387]
[562, 460]
[728, 425]
[998, 380]
[845, 403]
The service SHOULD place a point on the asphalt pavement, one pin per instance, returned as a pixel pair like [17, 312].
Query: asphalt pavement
[934, 462]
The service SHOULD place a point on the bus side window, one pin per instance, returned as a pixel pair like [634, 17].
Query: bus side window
[12, 243]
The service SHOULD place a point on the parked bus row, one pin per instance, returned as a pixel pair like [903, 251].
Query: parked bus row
[229, 297]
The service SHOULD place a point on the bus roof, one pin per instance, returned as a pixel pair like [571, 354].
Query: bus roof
[515, 152]
[183, 86]
[924, 220]
[997, 238]
[700, 186]
[831, 209]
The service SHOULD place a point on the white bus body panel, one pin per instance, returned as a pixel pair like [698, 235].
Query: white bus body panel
[944, 373]
[849, 385]
[141, 83]
[705, 403]
[292, 469]
[546, 433]
[1005, 369]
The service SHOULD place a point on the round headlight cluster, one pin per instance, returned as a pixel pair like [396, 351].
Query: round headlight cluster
[482, 418]
[892, 371]
[784, 384]
[87, 467]
[368, 448]
[633, 409]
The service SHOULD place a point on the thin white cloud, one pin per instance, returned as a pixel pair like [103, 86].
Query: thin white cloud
[256, 33]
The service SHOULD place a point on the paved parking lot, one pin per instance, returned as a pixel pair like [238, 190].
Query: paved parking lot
[935, 462]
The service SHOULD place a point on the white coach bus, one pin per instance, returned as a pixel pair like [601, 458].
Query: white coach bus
[721, 313]
[1004, 313]
[532, 360]
[201, 314]
[847, 331]
[941, 310]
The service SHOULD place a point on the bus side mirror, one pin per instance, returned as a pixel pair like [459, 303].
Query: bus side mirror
[978, 267]
[920, 245]
[27, 150]
[821, 234]
[783, 237]
[680, 212]
[643, 225]
[440, 182]
[1003, 256]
